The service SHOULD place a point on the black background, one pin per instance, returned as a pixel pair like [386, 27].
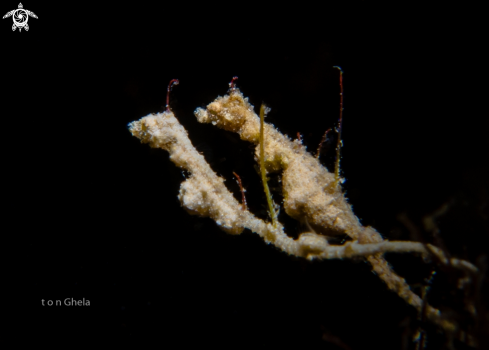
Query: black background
[98, 214]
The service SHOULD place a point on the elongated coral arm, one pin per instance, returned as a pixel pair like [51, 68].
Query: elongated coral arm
[308, 193]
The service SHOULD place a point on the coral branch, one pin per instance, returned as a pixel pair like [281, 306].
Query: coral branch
[310, 193]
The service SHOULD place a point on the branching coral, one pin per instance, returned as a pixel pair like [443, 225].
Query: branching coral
[311, 193]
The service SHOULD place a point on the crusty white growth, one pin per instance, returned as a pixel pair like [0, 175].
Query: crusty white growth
[203, 192]
[307, 185]
[309, 194]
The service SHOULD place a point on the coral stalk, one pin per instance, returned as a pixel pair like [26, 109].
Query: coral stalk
[310, 193]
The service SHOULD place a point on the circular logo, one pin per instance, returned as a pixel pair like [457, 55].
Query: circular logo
[20, 17]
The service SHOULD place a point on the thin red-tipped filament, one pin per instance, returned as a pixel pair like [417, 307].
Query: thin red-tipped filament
[340, 123]
[170, 86]
[232, 84]
[323, 140]
[243, 201]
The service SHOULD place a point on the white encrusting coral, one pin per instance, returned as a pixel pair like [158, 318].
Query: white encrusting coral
[310, 194]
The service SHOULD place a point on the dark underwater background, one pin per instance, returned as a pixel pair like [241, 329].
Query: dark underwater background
[97, 214]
